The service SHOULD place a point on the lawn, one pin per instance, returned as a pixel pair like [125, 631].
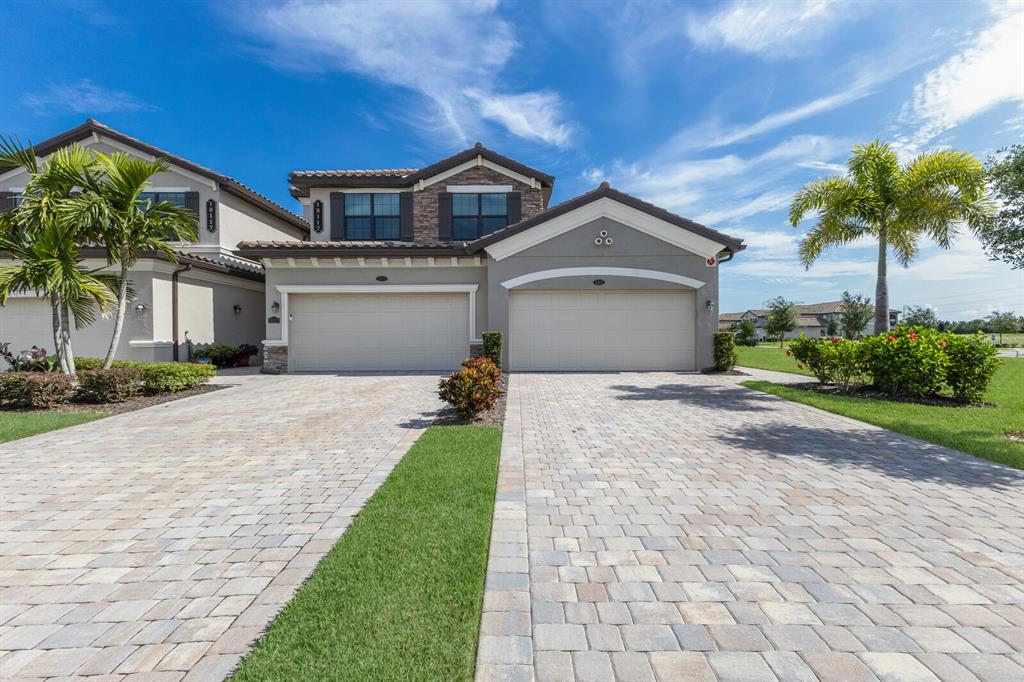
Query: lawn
[768, 357]
[400, 595]
[977, 430]
[14, 425]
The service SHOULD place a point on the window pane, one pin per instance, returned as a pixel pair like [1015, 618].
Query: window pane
[494, 204]
[385, 204]
[357, 228]
[145, 199]
[465, 204]
[464, 228]
[387, 227]
[176, 198]
[490, 224]
[357, 204]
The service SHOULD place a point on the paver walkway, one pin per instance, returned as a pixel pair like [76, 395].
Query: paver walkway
[161, 542]
[680, 527]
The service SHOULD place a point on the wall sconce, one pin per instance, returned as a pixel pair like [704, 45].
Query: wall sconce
[275, 306]
[237, 309]
[140, 308]
[709, 305]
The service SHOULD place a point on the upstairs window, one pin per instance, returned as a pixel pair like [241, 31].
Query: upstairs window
[372, 217]
[176, 198]
[474, 215]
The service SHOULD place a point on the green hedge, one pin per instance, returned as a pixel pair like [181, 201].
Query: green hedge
[170, 377]
[492, 347]
[725, 351]
[114, 385]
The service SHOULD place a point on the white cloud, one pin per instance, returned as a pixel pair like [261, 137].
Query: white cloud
[768, 29]
[451, 53]
[987, 72]
[763, 203]
[83, 97]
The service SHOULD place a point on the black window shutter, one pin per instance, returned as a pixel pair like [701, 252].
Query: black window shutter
[6, 201]
[405, 211]
[192, 203]
[444, 216]
[337, 216]
[515, 207]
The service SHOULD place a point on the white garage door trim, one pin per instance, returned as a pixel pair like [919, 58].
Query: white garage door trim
[602, 271]
[285, 289]
[602, 330]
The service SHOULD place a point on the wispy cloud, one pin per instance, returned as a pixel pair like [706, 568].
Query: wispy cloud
[986, 72]
[449, 52]
[768, 29]
[83, 97]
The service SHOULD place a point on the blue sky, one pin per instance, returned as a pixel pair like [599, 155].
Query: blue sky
[718, 111]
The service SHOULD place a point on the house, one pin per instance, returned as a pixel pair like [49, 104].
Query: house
[406, 268]
[812, 320]
[209, 295]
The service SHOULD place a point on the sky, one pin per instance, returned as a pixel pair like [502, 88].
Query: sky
[717, 111]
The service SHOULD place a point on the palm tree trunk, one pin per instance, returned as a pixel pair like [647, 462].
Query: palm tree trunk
[58, 333]
[122, 303]
[882, 284]
[65, 319]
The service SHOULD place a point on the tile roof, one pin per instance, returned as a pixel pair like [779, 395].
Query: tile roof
[355, 173]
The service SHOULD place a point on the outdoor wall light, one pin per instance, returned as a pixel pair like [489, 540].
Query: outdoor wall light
[237, 309]
[709, 305]
[275, 306]
[140, 308]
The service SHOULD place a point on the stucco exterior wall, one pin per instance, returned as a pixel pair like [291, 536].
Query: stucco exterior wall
[238, 221]
[206, 312]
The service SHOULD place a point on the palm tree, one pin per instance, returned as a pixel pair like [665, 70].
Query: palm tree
[129, 226]
[45, 246]
[931, 195]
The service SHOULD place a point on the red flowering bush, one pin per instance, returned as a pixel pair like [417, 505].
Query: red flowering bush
[909, 361]
[472, 389]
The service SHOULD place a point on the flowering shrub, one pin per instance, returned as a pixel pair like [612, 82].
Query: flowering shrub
[472, 389]
[908, 361]
[972, 364]
[725, 351]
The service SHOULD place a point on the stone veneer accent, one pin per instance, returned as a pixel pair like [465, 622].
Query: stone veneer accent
[275, 360]
[424, 203]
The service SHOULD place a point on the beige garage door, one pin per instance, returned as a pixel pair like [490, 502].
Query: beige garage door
[601, 330]
[378, 331]
[25, 322]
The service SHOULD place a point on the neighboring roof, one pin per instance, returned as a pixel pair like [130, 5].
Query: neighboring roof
[804, 311]
[228, 184]
[301, 181]
[810, 321]
[606, 191]
[730, 317]
[253, 271]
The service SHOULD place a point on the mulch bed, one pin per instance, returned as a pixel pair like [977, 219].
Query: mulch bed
[869, 392]
[729, 373]
[492, 417]
[129, 405]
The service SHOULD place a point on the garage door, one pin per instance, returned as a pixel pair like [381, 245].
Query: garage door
[601, 330]
[27, 322]
[378, 331]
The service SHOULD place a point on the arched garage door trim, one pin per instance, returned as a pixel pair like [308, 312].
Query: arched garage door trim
[601, 272]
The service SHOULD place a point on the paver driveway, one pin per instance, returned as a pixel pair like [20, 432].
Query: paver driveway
[163, 541]
[678, 527]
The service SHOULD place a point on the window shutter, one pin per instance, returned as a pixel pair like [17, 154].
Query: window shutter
[192, 203]
[515, 207]
[337, 216]
[405, 211]
[6, 201]
[444, 216]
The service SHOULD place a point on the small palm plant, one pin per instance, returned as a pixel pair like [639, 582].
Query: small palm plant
[896, 205]
[126, 224]
[45, 246]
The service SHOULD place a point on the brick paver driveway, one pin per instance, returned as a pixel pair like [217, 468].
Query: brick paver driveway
[678, 527]
[163, 541]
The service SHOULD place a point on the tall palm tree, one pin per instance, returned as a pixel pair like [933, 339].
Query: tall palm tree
[45, 246]
[931, 195]
[128, 225]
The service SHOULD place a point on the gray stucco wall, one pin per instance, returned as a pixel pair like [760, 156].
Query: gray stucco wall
[631, 249]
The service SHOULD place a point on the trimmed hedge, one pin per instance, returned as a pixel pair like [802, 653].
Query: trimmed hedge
[472, 389]
[171, 377]
[725, 351]
[972, 364]
[35, 389]
[114, 385]
[492, 347]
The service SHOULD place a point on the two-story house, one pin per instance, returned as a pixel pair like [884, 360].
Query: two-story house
[406, 268]
[209, 295]
[812, 320]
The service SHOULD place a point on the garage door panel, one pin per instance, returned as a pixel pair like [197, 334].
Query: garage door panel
[601, 330]
[338, 332]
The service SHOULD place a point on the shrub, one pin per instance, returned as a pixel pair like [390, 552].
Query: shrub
[972, 364]
[35, 389]
[97, 363]
[725, 351]
[220, 354]
[170, 377]
[908, 361]
[492, 347]
[114, 385]
[473, 388]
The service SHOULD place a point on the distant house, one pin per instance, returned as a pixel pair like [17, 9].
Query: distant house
[812, 319]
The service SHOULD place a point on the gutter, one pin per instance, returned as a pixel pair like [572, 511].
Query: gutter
[174, 309]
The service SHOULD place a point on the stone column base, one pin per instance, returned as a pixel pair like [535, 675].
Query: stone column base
[275, 360]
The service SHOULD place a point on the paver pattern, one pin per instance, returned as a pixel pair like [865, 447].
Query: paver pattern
[159, 544]
[680, 527]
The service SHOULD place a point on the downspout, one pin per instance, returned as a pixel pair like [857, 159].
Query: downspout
[174, 309]
[729, 255]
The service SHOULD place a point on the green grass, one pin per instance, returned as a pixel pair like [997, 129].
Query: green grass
[399, 596]
[14, 425]
[977, 430]
[768, 357]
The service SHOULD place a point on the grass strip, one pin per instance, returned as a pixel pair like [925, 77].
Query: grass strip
[15, 425]
[399, 596]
